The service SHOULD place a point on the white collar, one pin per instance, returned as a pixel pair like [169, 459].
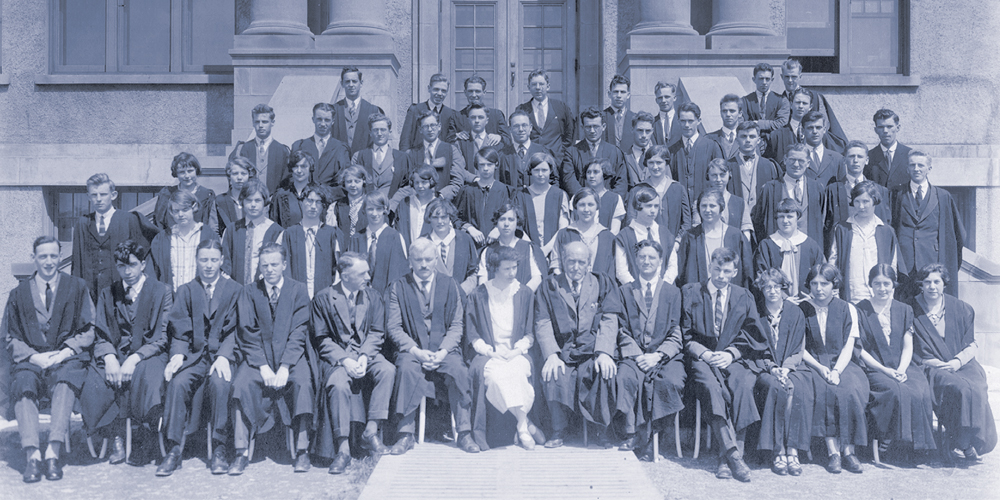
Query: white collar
[543, 103]
[855, 180]
[446, 240]
[890, 149]
[107, 215]
[643, 283]
[875, 222]
[791, 183]
[481, 136]
[376, 232]
[784, 243]
[593, 146]
[712, 289]
[668, 115]
[430, 106]
[638, 226]
[267, 142]
[727, 131]
[376, 148]
[280, 285]
[326, 140]
[137, 287]
[40, 283]
[819, 150]
[527, 145]
[503, 294]
[314, 227]
[356, 102]
[212, 284]
[926, 185]
[692, 139]
[432, 146]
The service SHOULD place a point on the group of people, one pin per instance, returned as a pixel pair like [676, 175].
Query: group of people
[490, 263]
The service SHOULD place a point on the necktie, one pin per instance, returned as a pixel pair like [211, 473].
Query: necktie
[920, 197]
[429, 155]
[687, 146]
[379, 156]
[262, 160]
[815, 160]
[666, 129]
[248, 256]
[425, 287]
[718, 312]
[479, 142]
[355, 212]
[208, 291]
[521, 151]
[371, 250]
[48, 296]
[747, 158]
[352, 109]
[888, 154]
[128, 295]
[541, 115]
[729, 138]
[649, 296]
[798, 191]
[763, 105]
[444, 253]
[649, 233]
[576, 289]
[352, 304]
[321, 145]
[102, 228]
[775, 323]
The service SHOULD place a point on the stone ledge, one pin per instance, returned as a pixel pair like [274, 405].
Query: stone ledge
[135, 79]
[4, 79]
[862, 80]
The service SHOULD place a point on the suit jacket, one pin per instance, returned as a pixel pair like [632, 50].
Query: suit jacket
[576, 329]
[93, 255]
[225, 205]
[362, 135]
[830, 169]
[627, 138]
[158, 265]
[893, 176]
[573, 177]
[68, 323]
[559, 129]
[335, 158]
[327, 240]
[404, 316]
[451, 174]
[409, 135]
[476, 207]
[772, 118]
[200, 327]
[773, 192]
[767, 171]
[729, 150]
[390, 257]
[341, 335]
[392, 174]
[124, 327]
[277, 337]
[496, 124]
[912, 229]
[514, 170]
[234, 247]
[740, 335]
[636, 336]
[675, 129]
[838, 206]
[277, 161]
[285, 206]
[691, 169]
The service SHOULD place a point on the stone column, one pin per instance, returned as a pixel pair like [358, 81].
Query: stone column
[741, 17]
[273, 17]
[356, 17]
[664, 17]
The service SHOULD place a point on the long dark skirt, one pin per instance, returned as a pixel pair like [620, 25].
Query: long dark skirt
[902, 411]
[960, 400]
[782, 425]
[839, 410]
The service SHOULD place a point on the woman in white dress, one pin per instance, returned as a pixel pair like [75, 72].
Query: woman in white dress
[498, 327]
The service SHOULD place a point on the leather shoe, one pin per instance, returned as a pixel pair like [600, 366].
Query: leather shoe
[646, 453]
[971, 455]
[403, 444]
[629, 443]
[467, 444]
[302, 462]
[53, 470]
[170, 463]
[723, 471]
[33, 471]
[603, 438]
[239, 465]
[340, 463]
[556, 439]
[219, 463]
[374, 444]
[833, 464]
[740, 469]
[117, 450]
[780, 465]
[852, 464]
[794, 467]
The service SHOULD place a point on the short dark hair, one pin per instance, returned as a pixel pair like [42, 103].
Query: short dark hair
[934, 268]
[643, 116]
[747, 125]
[620, 80]
[869, 187]
[507, 207]
[806, 92]
[427, 173]
[660, 150]
[473, 107]
[591, 113]
[606, 169]
[643, 194]
[885, 114]
[347, 260]
[712, 193]
[540, 157]
[474, 79]
[324, 106]
[378, 117]
[242, 162]
[490, 154]
[647, 243]
[262, 109]
[440, 204]
[184, 160]
[814, 116]
[499, 254]
[430, 113]
[583, 193]
[829, 272]
[518, 112]
[209, 244]
[42, 240]
[788, 206]
[274, 247]
[725, 255]
[690, 107]
[536, 73]
[760, 67]
[322, 191]
[351, 69]
[128, 248]
[731, 98]
[300, 155]
[884, 270]
[254, 186]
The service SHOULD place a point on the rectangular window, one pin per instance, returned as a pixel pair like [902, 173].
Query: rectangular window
[68, 203]
[476, 48]
[849, 36]
[141, 36]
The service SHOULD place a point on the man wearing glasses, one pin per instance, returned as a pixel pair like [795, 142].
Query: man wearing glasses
[807, 192]
[445, 157]
[514, 157]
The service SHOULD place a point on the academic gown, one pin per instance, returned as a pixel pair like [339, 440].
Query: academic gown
[577, 330]
[93, 255]
[559, 129]
[934, 233]
[960, 398]
[690, 168]
[553, 206]
[693, 262]
[362, 134]
[572, 170]
[334, 158]
[286, 208]
[479, 326]
[325, 263]
[123, 328]
[838, 410]
[603, 259]
[782, 425]
[234, 247]
[773, 192]
[525, 250]
[513, 170]
[843, 236]
[225, 205]
[627, 238]
[838, 206]
[205, 213]
[390, 258]
[655, 394]
[769, 255]
[158, 265]
[477, 205]
[675, 208]
[898, 411]
[277, 161]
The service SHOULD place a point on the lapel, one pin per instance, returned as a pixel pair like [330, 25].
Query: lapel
[907, 202]
[486, 323]
[930, 203]
[92, 226]
[587, 305]
[144, 310]
[562, 284]
[940, 347]
[341, 305]
[32, 305]
[640, 299]
[360, 311]
[386, 161]
[879, 335]
[880, 162]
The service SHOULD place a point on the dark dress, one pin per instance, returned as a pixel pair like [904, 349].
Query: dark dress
[838, 410]
[693, 262]
[960, 398]
[782, 424]
[898, 411]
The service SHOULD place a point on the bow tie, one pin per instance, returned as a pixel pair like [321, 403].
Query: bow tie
[748, 157]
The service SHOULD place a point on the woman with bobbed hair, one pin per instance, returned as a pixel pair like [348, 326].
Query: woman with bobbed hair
[944, 329]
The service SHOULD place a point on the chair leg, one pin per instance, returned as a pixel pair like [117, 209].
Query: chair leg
[697, 428]
[677, 434]
[289, 436]
[159, 433]
[422, 425]
[90, 446]
[875, 451]
[585, 445]
[454, 429]
[128, 437]
[208, 440]
[69, 437]
[104, 448]
[253, 444]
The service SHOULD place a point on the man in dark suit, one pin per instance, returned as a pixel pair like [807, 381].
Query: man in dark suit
[269, 156]
[767, 108]
[349, 322]
[497, 133]
[312, 245]
[825, 164]
[514, 157]
[729, 108]
[97, 234]
[577, 328]
[642, 135]
[553, 124]
[808, 193]
[388, 168]
[274, 382]
[202, 329]
[888, 162]
[441, 155]
[350, 125]
[330, 154]
[719, 326]
[617, 117]
[667, 128]
[750, 171]
[409, 137]
[928, 225]
[477, 137]
[424, 319]
[838, 194]
[689, 156]
[791, 76]
[573, 175]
